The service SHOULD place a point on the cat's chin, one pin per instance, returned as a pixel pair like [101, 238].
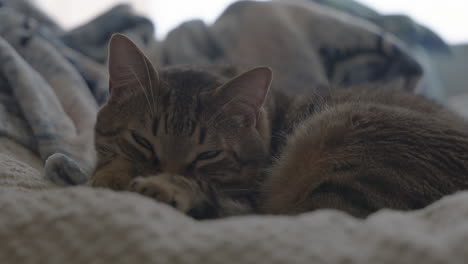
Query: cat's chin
[224, 208]
[204, 211]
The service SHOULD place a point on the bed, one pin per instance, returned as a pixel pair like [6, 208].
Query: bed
[52, 82]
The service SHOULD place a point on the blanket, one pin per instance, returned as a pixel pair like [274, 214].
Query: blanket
[421, 42]
[53, 81]
[41, 223]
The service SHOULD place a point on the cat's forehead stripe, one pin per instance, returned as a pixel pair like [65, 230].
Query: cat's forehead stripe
[177, 122]
[165, 101]
[191, 126]
[155, 126]
[202, 135]
[166, 116]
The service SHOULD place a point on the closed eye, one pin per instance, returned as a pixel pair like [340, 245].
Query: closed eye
[141, 141]
[208, 155]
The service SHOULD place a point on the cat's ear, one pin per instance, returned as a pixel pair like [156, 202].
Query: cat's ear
[244, 95]
[129, 68]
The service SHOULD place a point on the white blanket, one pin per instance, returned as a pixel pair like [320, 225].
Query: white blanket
[42, 223]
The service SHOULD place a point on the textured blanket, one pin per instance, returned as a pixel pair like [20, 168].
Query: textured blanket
[42, 224]
[52, 82]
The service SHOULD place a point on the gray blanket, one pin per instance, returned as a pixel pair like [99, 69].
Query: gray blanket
[52, 81]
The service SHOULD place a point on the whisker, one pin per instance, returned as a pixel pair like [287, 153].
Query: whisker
[236, 190]
[150, 87]
[142, 88]
[217, 113]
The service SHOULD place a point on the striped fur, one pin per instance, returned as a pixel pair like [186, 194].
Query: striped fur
[180, 135]
[211, 145]
[364, 149]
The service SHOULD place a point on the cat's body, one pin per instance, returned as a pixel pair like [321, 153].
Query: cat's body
[212, 146]
[361, 150]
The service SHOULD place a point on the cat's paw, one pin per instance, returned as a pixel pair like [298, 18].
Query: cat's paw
[161, 190]
[117, 183]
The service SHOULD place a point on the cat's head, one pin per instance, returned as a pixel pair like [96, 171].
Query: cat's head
[186, 123]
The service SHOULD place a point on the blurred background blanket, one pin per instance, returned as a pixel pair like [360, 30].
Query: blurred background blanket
[52, 81]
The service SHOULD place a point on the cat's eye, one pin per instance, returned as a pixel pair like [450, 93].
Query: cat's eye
[141, 141]
[208, 155]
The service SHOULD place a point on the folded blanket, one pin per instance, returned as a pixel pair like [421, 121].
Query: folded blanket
[421, 42]
[308, 46]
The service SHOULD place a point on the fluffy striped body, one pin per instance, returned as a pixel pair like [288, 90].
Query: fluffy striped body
[215, 144]
[363, 149]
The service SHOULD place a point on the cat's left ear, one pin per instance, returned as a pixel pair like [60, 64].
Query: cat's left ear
[129, 68]
[244, 95]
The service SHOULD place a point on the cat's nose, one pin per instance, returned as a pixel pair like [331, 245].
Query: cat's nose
[171, 168]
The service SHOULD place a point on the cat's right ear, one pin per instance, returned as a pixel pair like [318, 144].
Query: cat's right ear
[244, 95]
[129, 69]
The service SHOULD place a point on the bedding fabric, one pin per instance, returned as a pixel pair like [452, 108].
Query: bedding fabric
[52, 82]
[41, 223]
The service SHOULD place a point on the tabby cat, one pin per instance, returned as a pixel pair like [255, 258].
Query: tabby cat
[211, 145]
